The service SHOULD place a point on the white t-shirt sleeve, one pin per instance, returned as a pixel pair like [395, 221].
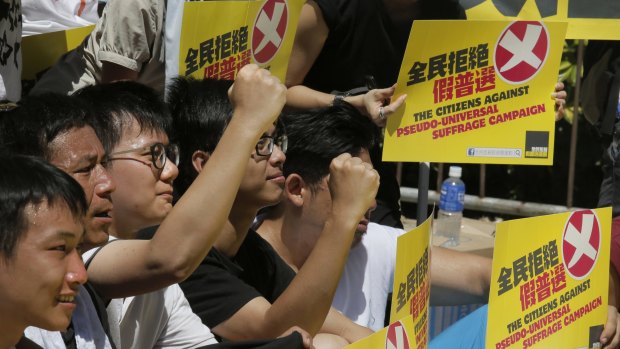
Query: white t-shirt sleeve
[184, 328]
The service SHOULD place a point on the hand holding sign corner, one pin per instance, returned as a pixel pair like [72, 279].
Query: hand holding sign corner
[374, 103]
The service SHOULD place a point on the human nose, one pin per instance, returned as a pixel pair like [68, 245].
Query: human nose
[277, 157]
[76, 272]
[104, 185]
[169, 172]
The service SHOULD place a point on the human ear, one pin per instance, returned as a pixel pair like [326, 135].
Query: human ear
[294, 189]
[199, 159]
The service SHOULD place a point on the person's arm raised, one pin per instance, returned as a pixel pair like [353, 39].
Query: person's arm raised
[310, 37]
[312, 31]
[131, 267]
[306, 301]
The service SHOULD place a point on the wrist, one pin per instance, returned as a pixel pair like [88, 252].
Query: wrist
[358, 102]
[242, 129]
[345, 214]
[339, 98]
[341, 225]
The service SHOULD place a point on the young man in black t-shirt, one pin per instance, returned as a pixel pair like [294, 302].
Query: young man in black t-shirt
[243, 289]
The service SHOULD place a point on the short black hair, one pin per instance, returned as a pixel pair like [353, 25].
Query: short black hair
[316, 137]
[200, 112]
[38, 120]
[24, 181]
[117, 105]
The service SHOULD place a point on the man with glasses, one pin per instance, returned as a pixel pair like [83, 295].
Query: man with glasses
[294, 226]
[127, 268]
[133, 124]
[243, 289]
[265, 144]
[159, 152]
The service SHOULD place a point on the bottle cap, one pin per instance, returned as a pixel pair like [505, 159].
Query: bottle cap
[455, 171]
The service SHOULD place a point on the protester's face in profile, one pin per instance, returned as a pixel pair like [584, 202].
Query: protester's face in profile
[39, 283]
[263, 181]
[318, 207]
[79, 153]
[143, 195]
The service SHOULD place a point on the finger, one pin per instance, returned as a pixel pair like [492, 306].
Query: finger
[385, 93]
[354, 160]
[394, 105]
[559, 86]
[610, 327]
[560, 95]
[380, 117]
[613, 343]
[307, 340]
[616, 341]
[230, 90]
[341, 158]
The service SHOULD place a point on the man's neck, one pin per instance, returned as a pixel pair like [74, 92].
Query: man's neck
[285, 231]
[122, 231]
[11, 333]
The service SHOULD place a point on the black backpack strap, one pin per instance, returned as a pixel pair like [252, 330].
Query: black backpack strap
[26, 343]
[292, 341]
[100, 307]
[99, 303]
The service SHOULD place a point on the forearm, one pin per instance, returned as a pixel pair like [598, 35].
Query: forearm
[320, 273]
[257, 98]
[459, 278]
[132, 267]
[302, 97]
[340, 325]
[197, 216]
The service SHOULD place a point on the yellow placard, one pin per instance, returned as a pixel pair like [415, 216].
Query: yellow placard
[587, 19]
[399, 335]
[480, 97]
[220, 37]
[41, 51]
[412, 281]
[549, 285]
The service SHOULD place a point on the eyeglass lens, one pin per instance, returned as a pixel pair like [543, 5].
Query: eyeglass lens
[264, 146]
[160, 152]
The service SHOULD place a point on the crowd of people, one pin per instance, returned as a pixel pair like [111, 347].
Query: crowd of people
[211, 218]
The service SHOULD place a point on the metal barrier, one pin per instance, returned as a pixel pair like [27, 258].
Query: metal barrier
[492, 205]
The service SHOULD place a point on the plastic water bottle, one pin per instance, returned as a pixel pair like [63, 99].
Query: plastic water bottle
[451, 204]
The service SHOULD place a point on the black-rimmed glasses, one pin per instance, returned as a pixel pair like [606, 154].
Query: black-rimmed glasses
[158, 151]
[264, 146]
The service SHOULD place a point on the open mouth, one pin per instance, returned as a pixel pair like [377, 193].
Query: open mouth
[66, 299]
[103, 214]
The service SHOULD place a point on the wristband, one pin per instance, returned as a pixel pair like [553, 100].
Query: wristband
[339, 98]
